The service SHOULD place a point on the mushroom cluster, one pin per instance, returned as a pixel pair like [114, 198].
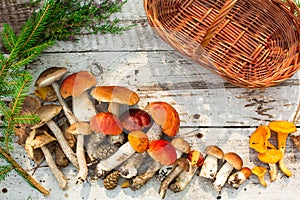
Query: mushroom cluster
[104, 134]
[267, 152]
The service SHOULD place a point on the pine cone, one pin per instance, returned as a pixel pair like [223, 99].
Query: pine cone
[104, 151]
[111, 181]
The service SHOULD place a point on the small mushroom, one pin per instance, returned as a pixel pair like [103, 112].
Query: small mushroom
[283, 129]
[46, 113]
[139, 141]
[195, 159]
[35, 141]
[50, 77]
[232, 161]
[162, 151]
[259, 139]
[239, 177]
[181, 147]
[271, 157]
[182, 164]
[210, 166]
[135, 119]
[260, 172]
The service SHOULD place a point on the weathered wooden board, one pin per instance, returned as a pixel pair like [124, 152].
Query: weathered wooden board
[234, 140]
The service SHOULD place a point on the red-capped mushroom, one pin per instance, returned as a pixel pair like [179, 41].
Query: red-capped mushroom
[76, 85]
[162, 151]
[106, 123]
[135, 119]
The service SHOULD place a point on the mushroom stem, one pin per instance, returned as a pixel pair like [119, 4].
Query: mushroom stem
[165, 184]
[210, 167]
[273, 172]
[130, 168]
[61, 179]
[183, 179]
[63, 143]
[281, 147]
[238, 178]
[84, 110]
[106, 165]
[70, 116]
[222, 176]
[142, 179]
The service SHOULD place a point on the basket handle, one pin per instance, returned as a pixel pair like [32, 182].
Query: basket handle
[217, 22]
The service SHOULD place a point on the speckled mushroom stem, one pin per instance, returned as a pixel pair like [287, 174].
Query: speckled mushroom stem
[183, 179]
[141, 180]
[165, 184]
[222, 176]
[63, 143]
[61, 179]
[210, 167]
[68, 113]
[130, 168]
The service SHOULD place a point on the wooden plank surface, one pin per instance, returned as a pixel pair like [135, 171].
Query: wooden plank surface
[209, 107]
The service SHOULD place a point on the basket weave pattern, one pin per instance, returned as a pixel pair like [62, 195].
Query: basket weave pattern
[252, 43]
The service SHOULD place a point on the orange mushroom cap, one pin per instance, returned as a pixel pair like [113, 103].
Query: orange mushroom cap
[106, 123]
[259, 139]
[166, 116]
[75, 84]
[196, 158]
[162, 151]
[139, 141]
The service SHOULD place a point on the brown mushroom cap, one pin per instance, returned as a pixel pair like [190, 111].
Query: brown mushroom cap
[135, 119]
[214, 151]
[181, 144]
[76, 83]
[49, 76]
[80, 128]
[234, 159]
[115, 94]
[46, 113]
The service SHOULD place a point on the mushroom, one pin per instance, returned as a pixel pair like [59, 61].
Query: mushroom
[115, 96]
[135, 119]
[162, 151]
[50, 77]
[210, 165]
[283, 129]
[184, 178]
[239, 177]
[162, 111]
[139, 142]
[76, 85]
[232, 161]
[259, 139]
[260, 172]
[46, 93]
[271, 157]
[181, 146]
[35, 141]
[46, 113]
[182, 164]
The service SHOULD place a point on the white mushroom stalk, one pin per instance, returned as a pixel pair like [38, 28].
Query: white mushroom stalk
[123, 153]
[238, 178]
[232, 161]
[183, 179]
[130, 168]
[210, 165]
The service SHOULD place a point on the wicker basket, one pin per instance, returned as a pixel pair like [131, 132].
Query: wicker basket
[252, 43]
